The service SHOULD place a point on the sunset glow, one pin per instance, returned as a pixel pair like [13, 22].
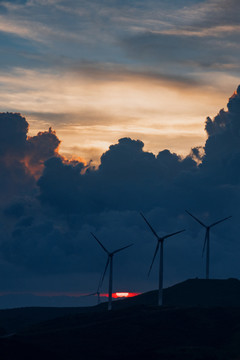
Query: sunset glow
[121, 295]
[93, 95]
[140, 109]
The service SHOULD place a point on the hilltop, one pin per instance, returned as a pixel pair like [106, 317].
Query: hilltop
[139, 332]
[193, 292]
[190, 293]
[200, 320]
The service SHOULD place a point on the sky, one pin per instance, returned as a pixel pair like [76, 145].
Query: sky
[109, 108]
[101, 70]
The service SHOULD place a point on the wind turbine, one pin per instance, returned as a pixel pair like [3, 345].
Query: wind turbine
[207, 238]
[110, 263]
[96, 293]
[159, 243]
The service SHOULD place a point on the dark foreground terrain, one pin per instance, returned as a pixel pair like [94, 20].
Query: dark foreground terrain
[133, 330]
[134, 333]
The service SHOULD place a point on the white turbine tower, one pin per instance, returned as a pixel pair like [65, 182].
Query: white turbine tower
[159, 243]
[109, 262]
[207, 238]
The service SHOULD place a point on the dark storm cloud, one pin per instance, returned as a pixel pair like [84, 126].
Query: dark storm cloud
[14, 210]
[60, 185]
[124, 173]
[107, 200]
[40, 148]
[14, 179]
[49, 205]
[43, 248]
[43, 146]
[15, 142]
[22, 157]
[48, 232]
[13, 133]
[222, 148]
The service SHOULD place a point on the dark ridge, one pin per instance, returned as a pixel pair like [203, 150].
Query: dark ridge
[193, 292]
[12, 320]
[190, 293]
[200, 320]
[140, 332]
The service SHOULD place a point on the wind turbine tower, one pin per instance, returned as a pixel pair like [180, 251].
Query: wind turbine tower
[110, 264]
[160, 241]
[207, 238]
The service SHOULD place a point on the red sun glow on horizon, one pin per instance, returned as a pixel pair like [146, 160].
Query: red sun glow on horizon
[118, 295]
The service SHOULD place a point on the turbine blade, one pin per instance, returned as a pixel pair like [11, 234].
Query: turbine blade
[100, 243]
[154, 232]
[194, 217]
[205, 242]
[217, 222]
[125, 247]
[154, 256]
[175, 233]
[104, 273]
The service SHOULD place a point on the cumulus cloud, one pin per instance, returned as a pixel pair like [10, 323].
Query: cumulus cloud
[222, 148]
[125, 172]
[13, 133]
[40, 148]
[47, 231]
[22, 157]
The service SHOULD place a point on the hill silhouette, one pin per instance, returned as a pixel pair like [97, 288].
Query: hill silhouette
[138, 332]
[200, 320]
[193, 292]
[190, 293]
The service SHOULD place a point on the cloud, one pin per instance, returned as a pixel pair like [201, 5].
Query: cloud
[89, 32]
[13, 133]
[186, 49]
[124, 172]
[213, 13]
[40, 148]
[222, 149]
[107, 199]
[145, 73]
[22, 157]
[46, 228]
[120, 105]
[97, 54]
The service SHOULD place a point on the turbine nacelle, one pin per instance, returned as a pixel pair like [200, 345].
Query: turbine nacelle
[160, 239]
[110, 254]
